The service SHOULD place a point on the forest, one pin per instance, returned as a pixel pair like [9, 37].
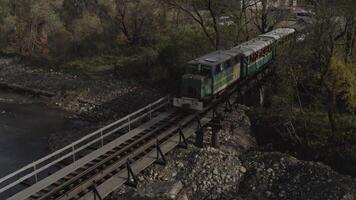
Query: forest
[82, 35]
[312, 97]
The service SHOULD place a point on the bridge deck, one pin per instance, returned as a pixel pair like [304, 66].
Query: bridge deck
[119, 179]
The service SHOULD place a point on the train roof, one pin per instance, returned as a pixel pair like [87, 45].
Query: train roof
[278, 33]
[233, 52]
[251, 46]
[212, 59]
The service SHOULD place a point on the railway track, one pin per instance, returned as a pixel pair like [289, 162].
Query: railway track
[74, 187]
[96, 165]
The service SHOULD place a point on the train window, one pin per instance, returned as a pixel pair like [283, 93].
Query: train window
[229, 63]
[218, 69]
[205, 70]
[199, 70]
[253, 57]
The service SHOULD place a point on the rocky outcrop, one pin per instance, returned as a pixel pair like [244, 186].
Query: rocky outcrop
[272, 175]
[209, 173]
[212, 174]
[239, 171]
[236, 135]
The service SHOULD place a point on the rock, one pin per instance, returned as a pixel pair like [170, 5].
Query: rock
[153, 191]
[161, 190]
[268, 194]
[242, 169]
[238, 171]
[209, 179]
[349, 197]
[270, 173]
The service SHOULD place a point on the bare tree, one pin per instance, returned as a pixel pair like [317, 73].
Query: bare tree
[135, 18]
[348, 9]
[194, 9]
[264, 16]
[328, 32]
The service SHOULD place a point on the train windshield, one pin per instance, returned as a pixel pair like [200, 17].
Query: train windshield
[198, 70]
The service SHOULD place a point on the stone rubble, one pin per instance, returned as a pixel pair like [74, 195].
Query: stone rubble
[273, 175]
[207, 173]
[158, 190]
[239, 171]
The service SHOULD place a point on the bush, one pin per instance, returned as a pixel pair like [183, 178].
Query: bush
[90, 65]
[138, 64]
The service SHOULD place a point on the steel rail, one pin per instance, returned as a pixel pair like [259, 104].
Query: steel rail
[142, 157]
[121, 155]
[78, 164]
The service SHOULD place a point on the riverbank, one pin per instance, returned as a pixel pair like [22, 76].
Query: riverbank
[79, 94]
[95, 100]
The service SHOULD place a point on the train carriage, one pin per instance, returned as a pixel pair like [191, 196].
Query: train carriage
[208, 76]
[255, 54]
[282, 37]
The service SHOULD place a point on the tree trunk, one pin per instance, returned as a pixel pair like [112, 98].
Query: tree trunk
[331, 105]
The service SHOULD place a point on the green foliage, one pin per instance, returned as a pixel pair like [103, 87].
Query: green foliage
[343, 78]
[4, 8]
[85, 26]
[138, 64]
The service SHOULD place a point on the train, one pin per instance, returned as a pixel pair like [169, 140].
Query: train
[208, 76]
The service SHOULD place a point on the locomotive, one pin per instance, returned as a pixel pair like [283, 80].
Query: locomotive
[210, 75]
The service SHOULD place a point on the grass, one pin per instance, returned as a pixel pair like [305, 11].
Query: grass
[89, 66]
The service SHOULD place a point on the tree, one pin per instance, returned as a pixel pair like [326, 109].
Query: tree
[323, 79]
[195, 9]
[264, 16]
[348, 9]
[334, 30]
[135, 18]
[29, 24]
[342, 79]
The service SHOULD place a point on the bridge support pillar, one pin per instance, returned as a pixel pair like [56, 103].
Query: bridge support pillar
[132, 180]
[228, 106]
[182, 140]
[161, 160]
[96, 193]
[199, 138]
[216, 128]
[262, 96]
[241, 95]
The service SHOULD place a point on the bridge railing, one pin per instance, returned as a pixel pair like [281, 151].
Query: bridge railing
[37, 170]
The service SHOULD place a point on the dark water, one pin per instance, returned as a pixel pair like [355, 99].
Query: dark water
[25, 126]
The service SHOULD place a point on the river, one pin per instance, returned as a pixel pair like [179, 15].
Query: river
[25, 127]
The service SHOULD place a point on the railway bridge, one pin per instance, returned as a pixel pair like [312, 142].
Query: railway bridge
[101, 162]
